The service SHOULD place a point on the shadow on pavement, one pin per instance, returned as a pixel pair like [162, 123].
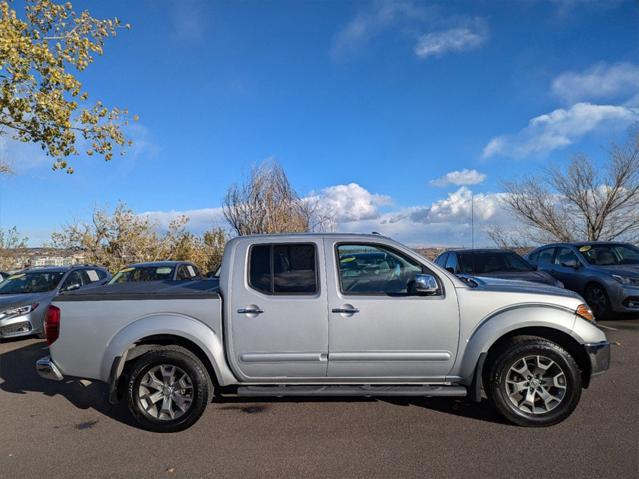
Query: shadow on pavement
[454, 406]
[18, 376]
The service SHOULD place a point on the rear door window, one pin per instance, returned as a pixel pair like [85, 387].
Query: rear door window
[283, 269]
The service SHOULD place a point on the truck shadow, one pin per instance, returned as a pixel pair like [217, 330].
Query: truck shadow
[18, 376]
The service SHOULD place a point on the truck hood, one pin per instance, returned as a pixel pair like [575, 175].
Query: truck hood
[521, 287]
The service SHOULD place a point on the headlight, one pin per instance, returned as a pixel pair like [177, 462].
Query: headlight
[19, 311]
[626, 279]
[583, 311]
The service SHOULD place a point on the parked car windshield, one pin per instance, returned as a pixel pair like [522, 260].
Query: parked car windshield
[492, 262]
[143, 273]
[610, 254]
[31, 282]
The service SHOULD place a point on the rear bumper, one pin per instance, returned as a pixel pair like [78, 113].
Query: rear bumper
[47, 369]
[599, 355]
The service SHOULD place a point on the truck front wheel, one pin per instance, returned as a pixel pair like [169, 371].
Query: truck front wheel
[534, 382]
[168, 389]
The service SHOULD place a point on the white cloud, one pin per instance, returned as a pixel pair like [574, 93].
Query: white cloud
[453, 40]
[444, 222]
[370, 23]
[459, 178]
[559, 128]
[600, 81]
[349, 202]
[434, 33]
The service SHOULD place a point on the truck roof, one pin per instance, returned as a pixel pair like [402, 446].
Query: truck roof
[312, 235]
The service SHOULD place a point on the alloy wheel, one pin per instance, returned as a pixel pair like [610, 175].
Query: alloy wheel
[597, 299]
[165, 392]
[536, 384]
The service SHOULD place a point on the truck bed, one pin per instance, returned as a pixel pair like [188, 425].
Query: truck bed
[97, 324]
[165, 289]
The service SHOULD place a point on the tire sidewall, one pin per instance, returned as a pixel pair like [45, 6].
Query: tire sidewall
[192, 366]
[552, 351]
[607, 309]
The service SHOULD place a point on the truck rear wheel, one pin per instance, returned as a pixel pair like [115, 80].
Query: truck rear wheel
[534, 382]
[168, 389]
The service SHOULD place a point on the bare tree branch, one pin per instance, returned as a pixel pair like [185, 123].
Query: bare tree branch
[583, 201]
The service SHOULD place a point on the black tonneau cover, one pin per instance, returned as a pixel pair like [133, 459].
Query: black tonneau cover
[145, 290]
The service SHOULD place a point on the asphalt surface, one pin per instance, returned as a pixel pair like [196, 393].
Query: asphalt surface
[50, 429]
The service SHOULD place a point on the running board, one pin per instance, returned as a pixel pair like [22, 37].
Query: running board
[364, 390]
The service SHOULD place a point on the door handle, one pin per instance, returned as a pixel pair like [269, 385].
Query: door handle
[345, 310]
[250, 311]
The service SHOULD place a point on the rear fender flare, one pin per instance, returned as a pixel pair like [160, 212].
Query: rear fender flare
[165, 324]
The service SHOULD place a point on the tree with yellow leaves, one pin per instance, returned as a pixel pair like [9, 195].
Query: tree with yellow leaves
[116, 239]
[42, 101]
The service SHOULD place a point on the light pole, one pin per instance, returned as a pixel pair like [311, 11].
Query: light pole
[472, 220]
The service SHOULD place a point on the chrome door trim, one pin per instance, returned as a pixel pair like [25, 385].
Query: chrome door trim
[279, 357]
[391, 356]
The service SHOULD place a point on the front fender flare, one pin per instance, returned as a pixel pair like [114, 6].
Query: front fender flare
[502, 322]
[165, 324]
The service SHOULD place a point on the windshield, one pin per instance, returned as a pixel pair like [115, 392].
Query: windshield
[610, 254]
[31, 282]
[493, 262]
[143, 273]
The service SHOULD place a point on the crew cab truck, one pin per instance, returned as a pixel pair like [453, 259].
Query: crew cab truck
[327, 315]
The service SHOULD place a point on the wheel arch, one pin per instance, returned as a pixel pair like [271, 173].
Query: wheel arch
[545, 319]
[566, 341]
[163, 330]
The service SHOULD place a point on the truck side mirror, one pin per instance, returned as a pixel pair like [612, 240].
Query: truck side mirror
[424, 285]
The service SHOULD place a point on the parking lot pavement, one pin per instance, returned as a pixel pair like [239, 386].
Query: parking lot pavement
[50, 429]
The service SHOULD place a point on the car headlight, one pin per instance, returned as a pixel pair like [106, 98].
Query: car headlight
[583, 311]
[626, 279]
[19, 311]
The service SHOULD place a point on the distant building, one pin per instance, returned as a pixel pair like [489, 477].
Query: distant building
[15, 259]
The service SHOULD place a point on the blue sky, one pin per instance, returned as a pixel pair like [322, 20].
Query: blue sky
[389, 113]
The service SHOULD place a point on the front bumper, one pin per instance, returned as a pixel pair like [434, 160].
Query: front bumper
[47, 369]
[23, 325]
[599, 355]
[624, 298]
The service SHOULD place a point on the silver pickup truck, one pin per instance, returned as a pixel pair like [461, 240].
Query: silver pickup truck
[327, 315]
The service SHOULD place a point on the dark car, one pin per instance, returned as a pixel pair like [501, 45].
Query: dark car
[157, 271]
[25, 295]
[493, 263]
[606, 274]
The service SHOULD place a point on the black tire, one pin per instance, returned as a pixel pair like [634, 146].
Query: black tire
[198, 392]
[597, 298]
[514, 355]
